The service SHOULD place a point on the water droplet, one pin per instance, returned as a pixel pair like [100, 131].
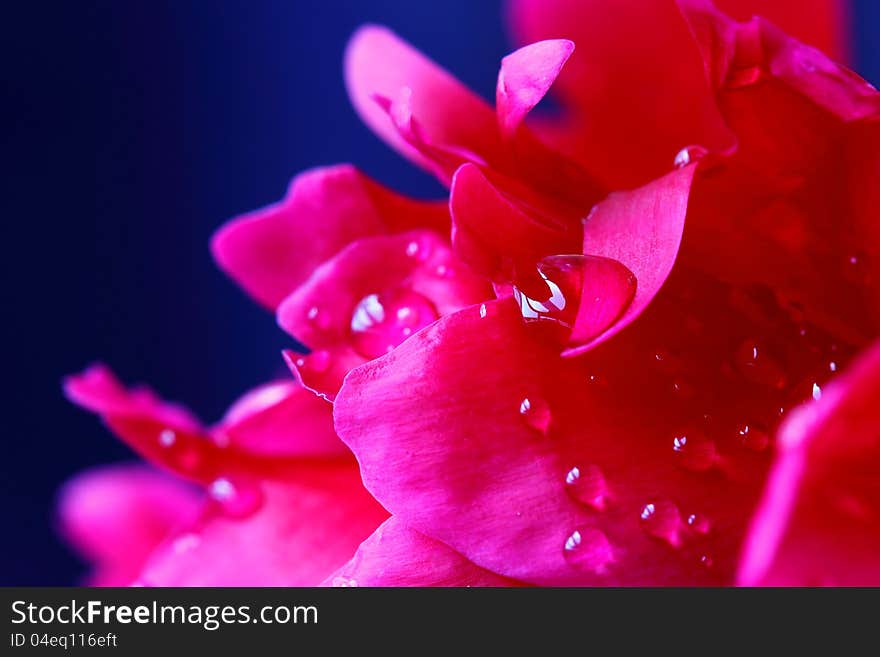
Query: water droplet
[167, 437]
[536, 412]
[832, 366]
[682, 389]
[753, 436]
[816, 392]
[591, 290]
[698, 523]
[687, 155]
[342, 582]
[857, 268]
[753, 361]
[706, 561]
[444, 271]
[412, 249]
[587, 548]
[666, 361]
[587, 486]
[316, 362]
[380, 322]
[662, 519]
[482, 310]
[237, 499]
[746, 76]
[694, 450]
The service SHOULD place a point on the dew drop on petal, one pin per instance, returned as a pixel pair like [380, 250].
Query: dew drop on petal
[753, 436]
[688, 155]
[167, 437]
[575, 297]
[694, 451]
[698, 523]
[586, 485]
[662, 519]
[753, 361]
[482, 310]
[237, 499]
[536, 413]
[380, 322]
[588, 549]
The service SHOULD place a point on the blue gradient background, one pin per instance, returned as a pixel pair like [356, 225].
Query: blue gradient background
[131, 130]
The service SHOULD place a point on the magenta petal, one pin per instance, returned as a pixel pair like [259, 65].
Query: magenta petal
[115, 516]
[310, 523]
[819, 520]
[380, 64]
[498, 235]
[470, 432]
[642, 229]
[325, 209]
[280, 419]
[397, 556]
[413, 272]
[525, 77]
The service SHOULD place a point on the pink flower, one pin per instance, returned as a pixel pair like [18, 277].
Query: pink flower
[642, 355]
[701, 308]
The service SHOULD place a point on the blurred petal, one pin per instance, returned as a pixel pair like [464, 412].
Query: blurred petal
[819, 520]
[116, 515]
[397, 556]
[325, 209]
[310, 523]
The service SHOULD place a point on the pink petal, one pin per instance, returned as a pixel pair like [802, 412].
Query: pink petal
[281, 419]
[499, 235]
[322, 311]
[397, 556]
[525, 78]
[634, 91]
[431, 118]
[819, 520]
[311, 522]
[479, 457]
[641, 229]
[116, 515]
[379, 64]
[792, 208]
[325, 208]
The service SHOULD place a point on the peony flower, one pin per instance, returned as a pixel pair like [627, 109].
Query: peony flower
[623, 425]
[633, 348]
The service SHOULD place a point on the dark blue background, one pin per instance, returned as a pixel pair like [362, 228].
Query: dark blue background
[131, 130]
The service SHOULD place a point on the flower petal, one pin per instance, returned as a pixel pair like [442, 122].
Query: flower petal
[498, 235]
[397, 556]
[633, 89]
[325, 208]
[791, 207]
[525, 77]
[480, 457]
[310, 523]
[641, 229]
[281, 419]
[412, 273]
[115, 516]
[819, 521]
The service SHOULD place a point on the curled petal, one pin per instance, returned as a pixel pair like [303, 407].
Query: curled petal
[525, 78]
[641, 229]
[819, 520]
[310, 523]
[325, 208]
[369, 298]
[397, 556]
[115, 516]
